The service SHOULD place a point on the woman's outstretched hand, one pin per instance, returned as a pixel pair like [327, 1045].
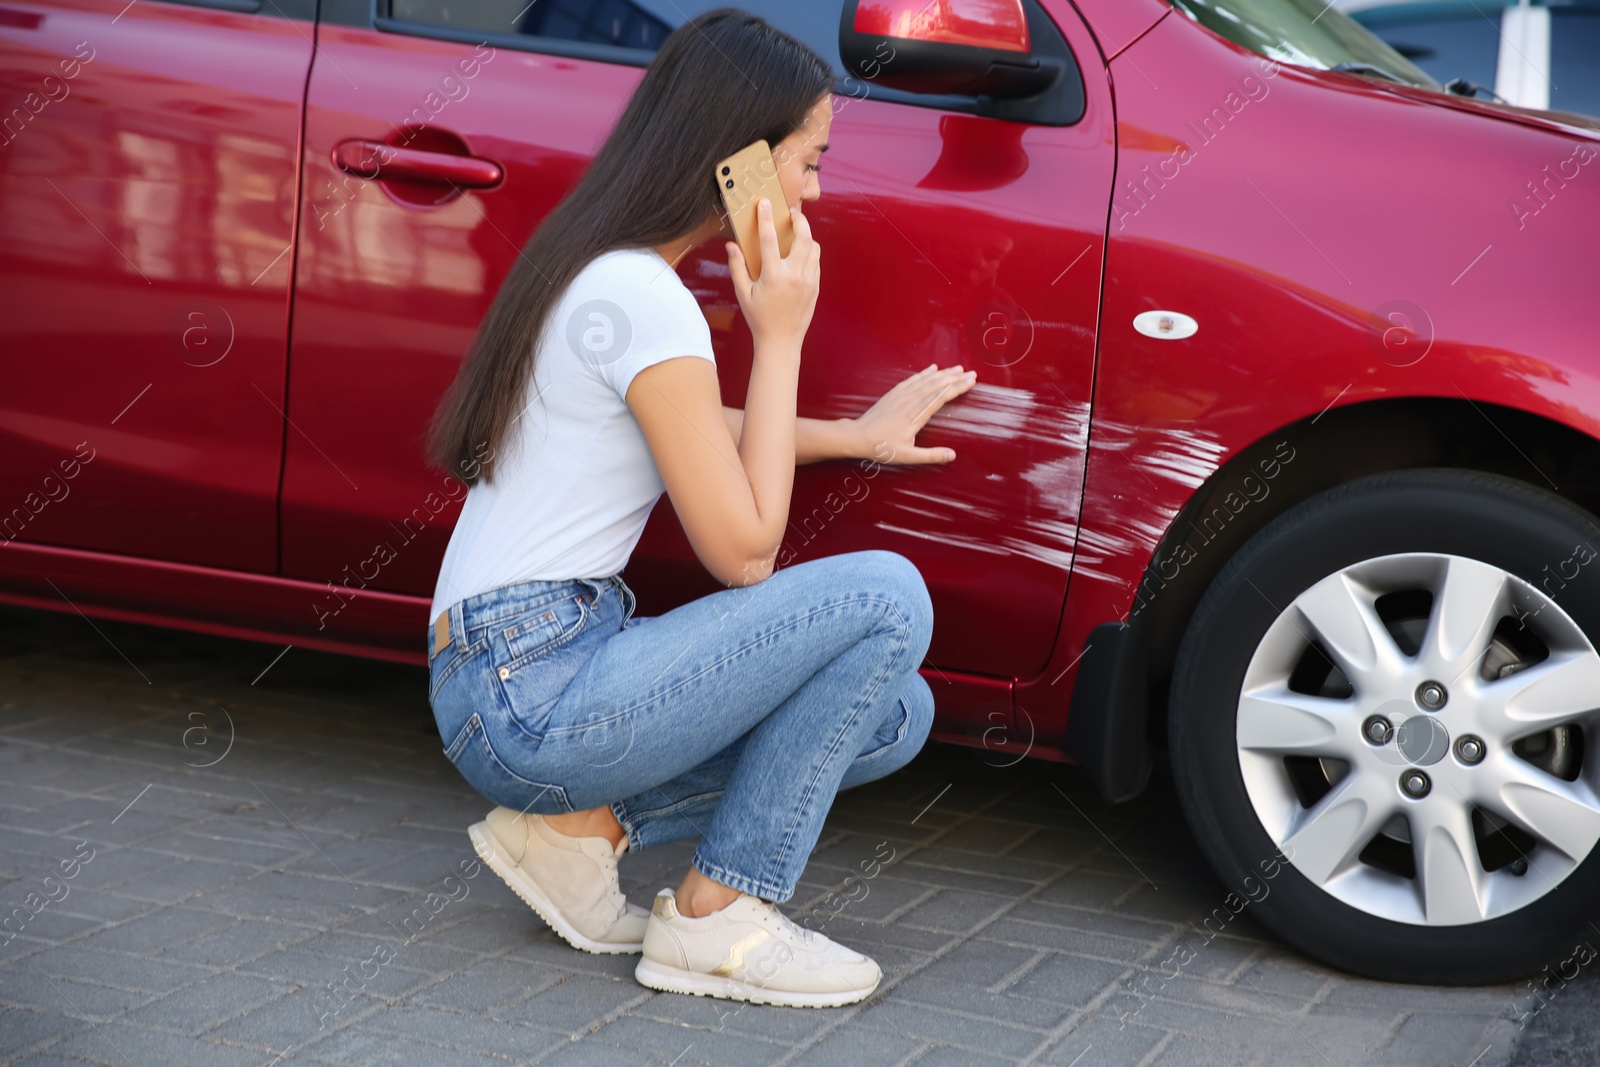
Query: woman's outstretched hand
[888, 429]
[778, 305]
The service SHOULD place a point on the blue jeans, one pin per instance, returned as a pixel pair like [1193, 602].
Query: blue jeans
[736, 717]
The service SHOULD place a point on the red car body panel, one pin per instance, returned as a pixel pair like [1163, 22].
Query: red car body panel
[1293, 296]
[145, 256]
[1288, 230]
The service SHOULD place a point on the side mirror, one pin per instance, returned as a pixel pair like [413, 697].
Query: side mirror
[944, 47]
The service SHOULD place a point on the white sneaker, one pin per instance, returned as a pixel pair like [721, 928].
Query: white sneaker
[570, 882]
[750, 951]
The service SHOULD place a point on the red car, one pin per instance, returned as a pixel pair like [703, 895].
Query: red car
[1283, 451]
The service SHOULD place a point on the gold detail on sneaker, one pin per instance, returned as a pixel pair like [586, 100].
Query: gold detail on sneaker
[735, 958]
[664, 908]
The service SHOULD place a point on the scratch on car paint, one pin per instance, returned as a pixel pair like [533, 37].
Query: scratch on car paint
[1003, 545]
[1058, 482]
[1185, 456]
[1028, 436]
[1142, 502]
[998, 413]
[1099, 545]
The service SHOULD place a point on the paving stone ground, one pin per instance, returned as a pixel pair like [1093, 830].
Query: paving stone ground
[225, 857]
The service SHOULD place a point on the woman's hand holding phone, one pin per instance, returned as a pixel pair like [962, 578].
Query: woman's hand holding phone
[778, 305]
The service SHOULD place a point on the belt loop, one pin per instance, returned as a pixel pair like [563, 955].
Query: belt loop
[626, 595]
[458, 626]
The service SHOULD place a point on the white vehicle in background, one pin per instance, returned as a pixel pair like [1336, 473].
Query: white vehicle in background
[1539, 55]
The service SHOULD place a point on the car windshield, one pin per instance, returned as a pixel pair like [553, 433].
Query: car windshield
[1307, 33]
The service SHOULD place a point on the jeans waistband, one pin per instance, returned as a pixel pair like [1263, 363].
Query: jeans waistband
[508, 600]
[502, 599]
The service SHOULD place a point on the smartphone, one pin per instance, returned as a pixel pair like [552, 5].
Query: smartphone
[744, 178]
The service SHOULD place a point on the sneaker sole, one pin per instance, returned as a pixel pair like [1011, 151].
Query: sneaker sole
[673, 980]
[488, 849]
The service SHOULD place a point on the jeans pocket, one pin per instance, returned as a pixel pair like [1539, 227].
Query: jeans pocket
[472, 753]
[535, 659]
[539, 631]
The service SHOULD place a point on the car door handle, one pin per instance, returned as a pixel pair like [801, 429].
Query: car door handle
[376, 161]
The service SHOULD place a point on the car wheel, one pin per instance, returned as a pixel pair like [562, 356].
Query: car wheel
[1383, 726]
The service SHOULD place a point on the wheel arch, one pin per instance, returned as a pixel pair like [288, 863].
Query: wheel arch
[1118, 719]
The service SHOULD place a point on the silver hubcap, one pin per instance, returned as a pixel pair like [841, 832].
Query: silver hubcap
[1417, 734]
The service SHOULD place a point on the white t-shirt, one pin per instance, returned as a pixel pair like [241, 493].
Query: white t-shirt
[575, 480]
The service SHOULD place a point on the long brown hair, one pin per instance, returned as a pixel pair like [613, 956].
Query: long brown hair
[721, 81]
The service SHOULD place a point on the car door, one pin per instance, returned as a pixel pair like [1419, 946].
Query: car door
[148, 165]
[952, 238]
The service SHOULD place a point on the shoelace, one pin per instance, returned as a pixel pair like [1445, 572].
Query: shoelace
[608, 866]
[804, 933]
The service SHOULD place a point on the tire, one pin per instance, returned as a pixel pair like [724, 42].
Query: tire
[1301, 803]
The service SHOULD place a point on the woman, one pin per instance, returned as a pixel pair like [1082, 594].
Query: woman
[735, 717]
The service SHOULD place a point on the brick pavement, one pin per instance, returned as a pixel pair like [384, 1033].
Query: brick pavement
[223, 858]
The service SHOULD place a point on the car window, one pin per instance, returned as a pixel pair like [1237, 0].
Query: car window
[1447, 38]
[1575, 60]
[630, 31]
[1306, 33]
[303, 10]
[640, 24]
